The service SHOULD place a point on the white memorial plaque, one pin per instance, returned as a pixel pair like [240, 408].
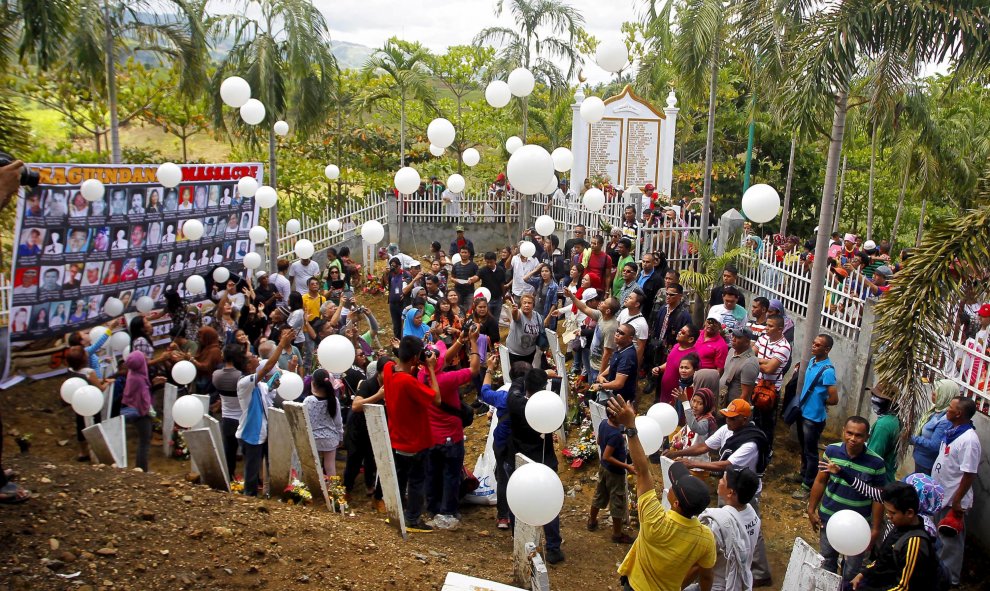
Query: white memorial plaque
[381, 445]
[642, 152]
[280, 448]
[302, 435]
[605, 150]
[108, 441]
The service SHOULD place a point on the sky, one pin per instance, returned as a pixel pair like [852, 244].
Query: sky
[438, 24]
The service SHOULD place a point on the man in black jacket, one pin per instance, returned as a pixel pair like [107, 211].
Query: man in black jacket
[729, 276]
[651, 281]
[534, 445]
[666, 321]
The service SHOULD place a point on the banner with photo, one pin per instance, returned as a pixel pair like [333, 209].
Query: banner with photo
[71, 254]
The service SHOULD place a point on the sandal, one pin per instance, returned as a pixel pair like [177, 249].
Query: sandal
[13, 493]
[623, 539]
[592, 524]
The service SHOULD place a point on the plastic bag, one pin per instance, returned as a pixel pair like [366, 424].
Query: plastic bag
[484, 471]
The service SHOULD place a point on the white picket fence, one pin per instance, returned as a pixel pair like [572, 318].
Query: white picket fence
[317, 230]
[964, 359]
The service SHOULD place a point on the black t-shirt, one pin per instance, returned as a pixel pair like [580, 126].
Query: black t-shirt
[490, 328]
[524, 439]
[624, 361]
[357, 424]
[464, 271]
[493, 280]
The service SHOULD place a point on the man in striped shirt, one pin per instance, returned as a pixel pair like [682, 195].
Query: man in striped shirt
[832, 493]
[773, 352]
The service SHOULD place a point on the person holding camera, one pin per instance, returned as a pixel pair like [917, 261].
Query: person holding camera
[408, 401]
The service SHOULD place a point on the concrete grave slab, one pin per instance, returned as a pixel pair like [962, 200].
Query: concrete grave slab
[805, 572]
[208, 457]
[381, 445]
[171, 393]
[280, 448]
[525, 540]
[302, 436]
[108, 441]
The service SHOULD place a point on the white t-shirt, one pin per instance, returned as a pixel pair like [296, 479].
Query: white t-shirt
[751, 523]
[746, 456]
[963, 455]
[281, 283]
[638, 322]
[295, 321]
[245, 386]
[301, 273]
[520, 269]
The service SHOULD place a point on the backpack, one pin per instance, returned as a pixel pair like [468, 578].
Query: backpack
[940, 579]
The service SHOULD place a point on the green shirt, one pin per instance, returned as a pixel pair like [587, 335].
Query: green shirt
[618, 281]
[883, 442]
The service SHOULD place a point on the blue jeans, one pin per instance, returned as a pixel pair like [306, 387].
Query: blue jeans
[444, 476]
[411, 472]
[808, 434]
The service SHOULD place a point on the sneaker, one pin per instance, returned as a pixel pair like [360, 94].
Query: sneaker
[448, 522]
[503, 523]
[555, 556]
[794, 477]
[801, 493]
[419, 527]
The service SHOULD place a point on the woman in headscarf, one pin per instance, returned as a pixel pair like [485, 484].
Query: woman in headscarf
[928, 436]
[414, 325]
[698, 414]
[207, 359]
[136, 404]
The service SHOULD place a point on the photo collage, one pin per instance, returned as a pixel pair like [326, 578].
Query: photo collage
[72, 254]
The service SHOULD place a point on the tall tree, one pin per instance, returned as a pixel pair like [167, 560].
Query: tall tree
[544, 35]
[404, 64]
[461, 71]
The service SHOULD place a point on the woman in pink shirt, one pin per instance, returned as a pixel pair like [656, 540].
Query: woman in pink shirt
[686, 339]
[711, 346]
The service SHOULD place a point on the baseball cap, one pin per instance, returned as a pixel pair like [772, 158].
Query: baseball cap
[589, 294]
[260, 274]
[984, 311]
[714, 318]
[885, 271]
[742, 331]
[458, 228]
[738, 408]
[284, 309]
[649, 187]
[869, 245]
[415, 263]
[691, 492]
[744, 481]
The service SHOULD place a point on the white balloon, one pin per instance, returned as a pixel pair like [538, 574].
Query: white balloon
[184, 372]
[332, 171]
[144, 305]
[407, 180]
[336, 353]
[69, 388]
[235, 91]
[304, 249]
[195, 285]
[498, 94]
[760, 204]
[545, 225]
[441, 133]
[483, 292]
[848, 532]
[247, 186]
[334, 225]
[290, 385]
[169, 175]
[266, 196]
[592, 109]
[436, 150]
[545, 411]
[512, 144]
[221, 275]
[96, 333]
[456, 183]
[455, 259]
[252, 260]
[529, 169]
[612, 55]
[527, 249]
[258, 235]
[535, 494]
[563, 159]
[471, 157]
[293, 226]
[373, 232]
[665, 415]
[521, 82]
[253, 112]
[193, 229]
[113, 307]
[92, 190]
[594, 199]
[188, 411]
[281, 128]
[120, 339]
[87, 401]
[649, 434]
[551, 185]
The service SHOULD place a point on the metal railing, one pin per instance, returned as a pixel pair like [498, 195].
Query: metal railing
[966, 361]
[788, 278]
[317, 230]
[461, 208]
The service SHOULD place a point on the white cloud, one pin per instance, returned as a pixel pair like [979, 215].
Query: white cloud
[438, 24]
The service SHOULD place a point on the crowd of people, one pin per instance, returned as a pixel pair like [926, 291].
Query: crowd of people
[633, 338]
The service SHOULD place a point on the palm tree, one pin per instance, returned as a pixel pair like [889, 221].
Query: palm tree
[709, 270]
[404, 63]
[527, 46]
[285, 56]
[830, 46]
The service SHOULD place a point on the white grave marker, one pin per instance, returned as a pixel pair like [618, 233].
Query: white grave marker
[280, 448]
[381, 445]
[108, 440]
[208, 457]
[302, 435]
[171, 393]
[805, 572]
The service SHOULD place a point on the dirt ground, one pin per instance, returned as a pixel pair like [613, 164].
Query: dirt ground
[96, 527]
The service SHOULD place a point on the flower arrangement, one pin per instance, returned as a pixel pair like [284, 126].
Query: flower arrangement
[179, 449]
[584, 449]
[237, 486]
[338, 496]
[371, 285]
[296, 493]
